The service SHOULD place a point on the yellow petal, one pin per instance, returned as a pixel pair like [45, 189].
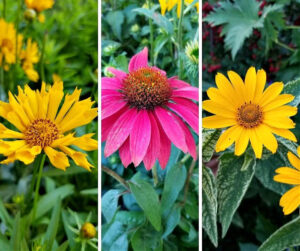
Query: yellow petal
[283, 122]
[215, 95]
[10, 159]
[287, 175]
[69, 101]
[228, 137]
[56, 94]
[237, 83]
[271, 93]
[6, 133]
[18, 109]
[218, 109]
[217, 121]
[32, 97]
[8, 147]
[267, 138]
[27, 154]
[294, 160]
[250, 84]
[86, 142]
[261, 78]
[285, 133]
[64, 141]
[57, 159]
[241, 143]
[282, 111]
[43, 101]
[163, 6]
[256, 143]
[279, 101]
[290, 200]
[78, 157]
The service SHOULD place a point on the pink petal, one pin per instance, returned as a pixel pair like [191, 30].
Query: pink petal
[176, 83]
[106, 92]
[120, 131]
[171, 128]
[124, 152]
[161, 71]
[187, 92]
[165, 147]
[111, 83]
[112, 108]
[187, 115]
[188, 104]
[154, 146]
[140, 137]
[106, 124]
[139, 60]
[189, 139]
[118, 74]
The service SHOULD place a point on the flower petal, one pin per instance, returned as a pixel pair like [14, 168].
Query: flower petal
[139, 60]
[287, 175]
[294, 160]
[228, 137]
[124, 152]
[118, 74]
[290, 200]
[217, 121]
[165, 146]
[261, 78]
[187, 92]
[111, 83]
[241, 143]
[177, 83]
[140, 137]
[250, 83]
[271, 93]
[188, 104]
[57, 159]
[267, 138]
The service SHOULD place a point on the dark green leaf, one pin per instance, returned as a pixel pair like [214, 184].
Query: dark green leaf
[115, 20]
[293, 88]
[172, 220]
[209, 139]
[109, 204]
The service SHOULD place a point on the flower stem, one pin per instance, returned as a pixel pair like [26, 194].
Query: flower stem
[115, 176]
[155, 176]
[283, 45]
[37, 186]
[187, 182]
[180, 38]
[42, 63]
[151, 35]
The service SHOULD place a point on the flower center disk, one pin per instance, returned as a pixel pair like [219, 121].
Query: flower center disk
[249, 115]
[42, 132]
[146, 88]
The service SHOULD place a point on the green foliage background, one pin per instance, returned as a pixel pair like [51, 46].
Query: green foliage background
[240, 199]
[70, 32]
[145, 216]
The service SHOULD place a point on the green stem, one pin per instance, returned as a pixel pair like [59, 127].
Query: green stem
[83, 245]
[4, 9]
[42, 63]
[155, 176]
[37, 187]
[180, 38]
[151, 36]
[2, 75]
[284, 45]
[115, 176]
[292, 27]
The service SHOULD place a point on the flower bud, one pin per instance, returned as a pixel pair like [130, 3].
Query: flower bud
[30, 14]
[88, 230]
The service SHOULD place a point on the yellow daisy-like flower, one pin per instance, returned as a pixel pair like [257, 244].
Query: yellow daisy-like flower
[290, 201]
[42, 126]
[250, 112]
[169, 5]
[29, 57]
[8, 47]
[39, 5]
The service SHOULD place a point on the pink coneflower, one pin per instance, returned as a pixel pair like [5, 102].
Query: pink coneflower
[143, 111]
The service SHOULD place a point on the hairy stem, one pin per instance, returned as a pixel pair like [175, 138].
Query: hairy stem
[115, 176]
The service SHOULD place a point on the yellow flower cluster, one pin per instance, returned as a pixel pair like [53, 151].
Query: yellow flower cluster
[170, 4]
[39, 6]
[11, 50]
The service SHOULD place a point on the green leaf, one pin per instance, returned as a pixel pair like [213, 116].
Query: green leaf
[63, 247]
[112, 235]
[145, 239]
[158, 19]
[131, 219]
[209, 205]
[293, 88]
[172, 220]
[17, 233]
[109, 204]
[115, 20]
[209, 139]
[232, 184]
[285, 237]
[4, 243]
[53, 226]
[173, 184]
[48, 201]
[120, 244]
[4, 216]
[147, 199]
[238, 20]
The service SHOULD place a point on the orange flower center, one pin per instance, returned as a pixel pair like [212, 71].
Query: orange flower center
[146, 88]
[7, 43]
[42, 132]
[249, 115]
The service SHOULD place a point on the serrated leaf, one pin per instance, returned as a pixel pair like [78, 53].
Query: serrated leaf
[232, 184]
[209, 139]
[293, 88]
[285, 237]
[109, 204]
[209, 205]
[147, 199]
[173, 184]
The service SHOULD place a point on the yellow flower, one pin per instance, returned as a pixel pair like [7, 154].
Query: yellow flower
[88, 230]
[250, 112]
[42, 126]
[169, 4]
[39, 5]
[8, 48]
[290, 201]
[29, 57]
